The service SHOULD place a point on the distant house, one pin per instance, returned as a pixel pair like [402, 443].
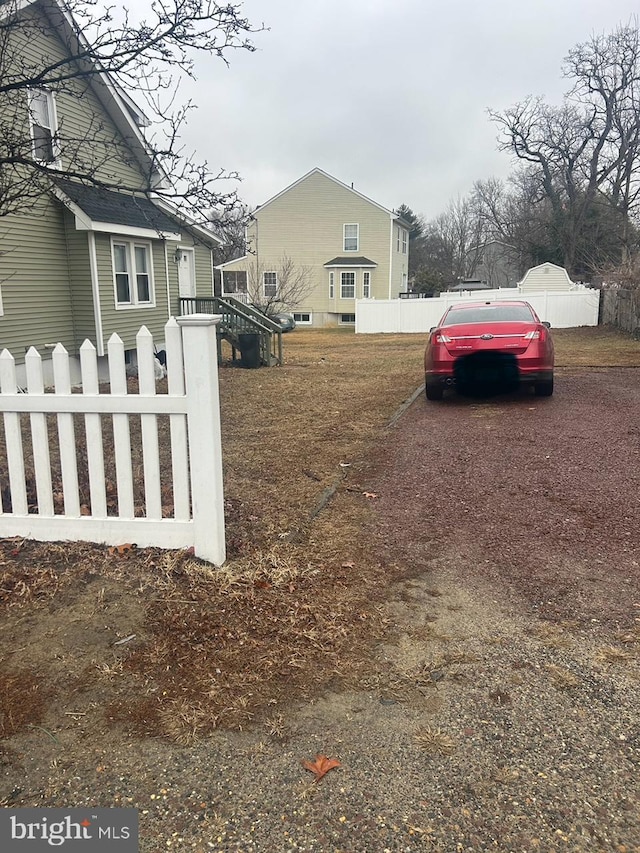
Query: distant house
[494, 262]
[348, 246]
[545, 276]
[84, 261]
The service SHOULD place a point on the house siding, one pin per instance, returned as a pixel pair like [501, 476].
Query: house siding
[46, 279]
[80, 282]
[306, 223]
[34, 281]
[94, 144]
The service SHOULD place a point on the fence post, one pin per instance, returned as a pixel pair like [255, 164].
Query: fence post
[203, 425]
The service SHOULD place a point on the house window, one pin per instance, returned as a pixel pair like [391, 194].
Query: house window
[303, 318]
[347, 319]
[405, 241]
[351, 237]
[42, 110]
[331, 285]
[132, 273]
[366, 284]
[270, 284]
[235, 281]
[347, 285]
[397, 239]
[404, 282]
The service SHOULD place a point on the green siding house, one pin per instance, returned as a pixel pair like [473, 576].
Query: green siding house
[347, 246]
[87, 258]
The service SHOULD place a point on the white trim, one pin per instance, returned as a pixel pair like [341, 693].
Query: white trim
[351, 266]
[166, 274]
[95, 290]
[213, 278]
[134, 304]
[226, 264]
[332, 285]
[391, 255]
[129, 230]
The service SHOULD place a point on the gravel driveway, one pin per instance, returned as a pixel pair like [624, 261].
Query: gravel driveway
[502, 712]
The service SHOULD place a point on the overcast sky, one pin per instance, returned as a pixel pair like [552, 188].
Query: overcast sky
[391, 95]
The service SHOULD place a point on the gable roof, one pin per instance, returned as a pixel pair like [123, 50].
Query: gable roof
[318, 171]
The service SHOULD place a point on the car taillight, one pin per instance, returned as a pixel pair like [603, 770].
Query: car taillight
[439, 338]
[535, 335]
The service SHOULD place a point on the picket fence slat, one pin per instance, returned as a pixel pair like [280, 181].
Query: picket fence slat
[149, 426]
[121, 431]
[66, 435]
[93, 431]
[39, 435]
[192, 404]
[177, 423]
[13, 436]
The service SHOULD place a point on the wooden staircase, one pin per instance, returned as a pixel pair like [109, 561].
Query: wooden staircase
[257, 338]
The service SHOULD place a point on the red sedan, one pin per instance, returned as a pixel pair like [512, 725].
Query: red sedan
[482, 347]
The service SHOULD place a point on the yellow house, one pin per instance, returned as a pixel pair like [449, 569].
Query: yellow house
[316, 247]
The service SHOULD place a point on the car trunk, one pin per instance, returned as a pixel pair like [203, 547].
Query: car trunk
[509, 337]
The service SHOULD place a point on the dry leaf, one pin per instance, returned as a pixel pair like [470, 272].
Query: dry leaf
[348, 565]
[320, 766]
[122, 550]
[370, 495]
[84, 510]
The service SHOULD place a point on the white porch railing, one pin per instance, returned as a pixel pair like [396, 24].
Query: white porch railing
[195, 517]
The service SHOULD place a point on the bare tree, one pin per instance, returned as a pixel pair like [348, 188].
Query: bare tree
[584, 152]
[81, 52]
[280, 287]
[230, 224]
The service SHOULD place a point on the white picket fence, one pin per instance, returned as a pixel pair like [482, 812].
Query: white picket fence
[563, 309]
[196, 518]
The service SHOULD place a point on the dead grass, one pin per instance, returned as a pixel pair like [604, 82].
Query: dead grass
[297, 606]
[434, 741]
[600, 346]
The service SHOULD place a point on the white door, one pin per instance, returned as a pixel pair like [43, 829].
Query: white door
[186, 273]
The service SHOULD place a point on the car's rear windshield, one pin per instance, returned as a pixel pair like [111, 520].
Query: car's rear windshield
[488, 314]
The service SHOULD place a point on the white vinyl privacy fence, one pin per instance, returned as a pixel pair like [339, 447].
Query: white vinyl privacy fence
[561, 309]
[58, 473]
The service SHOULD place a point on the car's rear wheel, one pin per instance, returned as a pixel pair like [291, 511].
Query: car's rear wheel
[544, 387]
[433, 390]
